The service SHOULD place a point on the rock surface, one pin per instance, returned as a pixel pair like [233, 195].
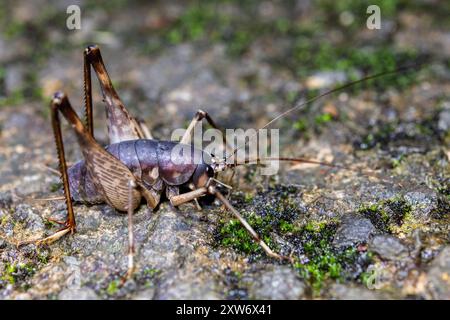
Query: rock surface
[244, 64]
[388, 247]
[439, 276]
[353, 230]
[280, 283]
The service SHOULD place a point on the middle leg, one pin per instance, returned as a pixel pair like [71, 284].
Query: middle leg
[199, 116]
[131, 249]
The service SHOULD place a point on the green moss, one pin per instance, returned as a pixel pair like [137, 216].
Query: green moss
[366, 278]
[15, 273]
[315, 226]
[236, 236]
[147, 276]
[286, 227]
[318, 261]
[30, 90]
[239, 42]
[199, 21]
[318, 122]
[387, 215]
[396, 162]
[9, 273]
[324, 262]
[42, 256]
[409, 224]
[14, 29]
[267, 217]
[301, 125]
[15, 98]
[380, 134]
[248, 197]
[55, 186]
[323, 118]
[310, 56]
[383, 134]
[151, 272]
[207, 21]
[113, 287]
[4, 219]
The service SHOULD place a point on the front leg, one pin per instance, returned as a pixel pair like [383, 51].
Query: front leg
[178, 199]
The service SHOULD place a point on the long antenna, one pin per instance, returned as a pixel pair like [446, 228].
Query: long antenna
[336, 89]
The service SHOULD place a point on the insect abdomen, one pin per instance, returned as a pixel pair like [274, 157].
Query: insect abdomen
[148, 160]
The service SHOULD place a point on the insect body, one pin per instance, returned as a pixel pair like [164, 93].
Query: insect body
[153, 163]
[135, 166]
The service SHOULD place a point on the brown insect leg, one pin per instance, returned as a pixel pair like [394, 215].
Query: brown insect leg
[109, 175]
[69, 224]
[88, 94]
[192, 195]
[199, 116]
[131, 250]
[247, 226]
[188, 196]
[56, 124]
[121, 125]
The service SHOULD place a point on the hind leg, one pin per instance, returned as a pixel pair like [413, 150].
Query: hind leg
[121, 125]
[110, 176]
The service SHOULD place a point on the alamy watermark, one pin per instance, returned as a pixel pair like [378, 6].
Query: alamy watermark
[73, 21]
[374, 20]
[377, 276]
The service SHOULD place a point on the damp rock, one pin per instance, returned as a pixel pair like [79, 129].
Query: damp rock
[146, 294]
[343, 292]
[5, 199]
[280, 283]
[353, 230]
[78, 294]
[423, 202]
[388, 247]
[181, 285]
[3, 243]
[90, 222]
[439, 276]
[26, 214]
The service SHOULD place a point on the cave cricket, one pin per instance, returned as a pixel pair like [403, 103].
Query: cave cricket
[135, 166]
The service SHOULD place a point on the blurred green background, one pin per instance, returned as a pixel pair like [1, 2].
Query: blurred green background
[169, 58]
[298, 37]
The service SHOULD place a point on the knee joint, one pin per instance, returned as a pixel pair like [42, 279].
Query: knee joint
[200, 114]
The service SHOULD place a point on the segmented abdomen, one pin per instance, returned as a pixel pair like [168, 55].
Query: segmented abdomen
[149, 160]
